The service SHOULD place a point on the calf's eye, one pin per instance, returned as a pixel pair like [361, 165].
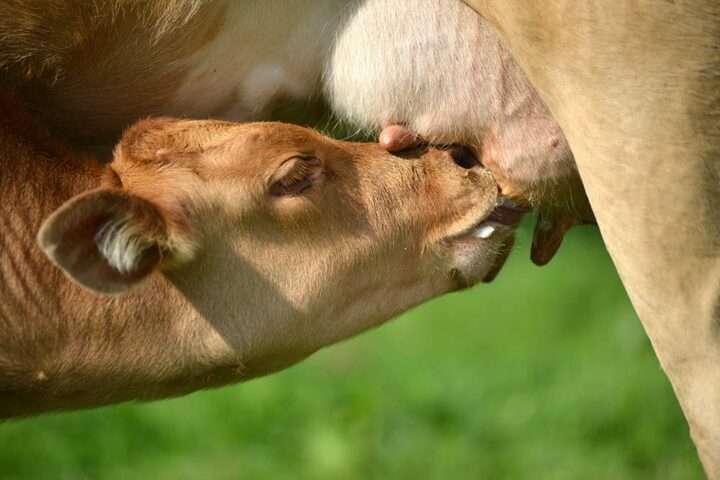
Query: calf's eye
[296, 175]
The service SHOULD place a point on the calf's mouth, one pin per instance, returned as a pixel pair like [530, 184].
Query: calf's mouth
[500, 224]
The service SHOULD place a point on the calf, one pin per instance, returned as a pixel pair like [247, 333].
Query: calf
[211, 252]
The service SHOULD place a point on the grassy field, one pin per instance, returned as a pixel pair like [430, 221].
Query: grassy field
[544, 374]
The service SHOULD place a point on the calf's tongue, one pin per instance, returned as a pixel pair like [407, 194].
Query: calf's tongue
[509, 214]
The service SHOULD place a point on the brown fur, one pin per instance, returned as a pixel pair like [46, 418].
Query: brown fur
[53, 50]
[90, 69]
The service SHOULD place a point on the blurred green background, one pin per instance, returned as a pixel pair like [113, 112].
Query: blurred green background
[544, 374]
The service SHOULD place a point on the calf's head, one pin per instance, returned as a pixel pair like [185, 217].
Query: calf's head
[287, 239]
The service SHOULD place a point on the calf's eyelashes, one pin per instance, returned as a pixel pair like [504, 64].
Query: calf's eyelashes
[296, 175]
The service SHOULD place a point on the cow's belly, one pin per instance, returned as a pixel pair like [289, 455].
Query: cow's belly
[234, 60]
[258, 60]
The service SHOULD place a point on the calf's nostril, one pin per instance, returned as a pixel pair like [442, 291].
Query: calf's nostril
[464, 157]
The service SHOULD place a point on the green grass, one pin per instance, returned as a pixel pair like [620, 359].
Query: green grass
[544, 374]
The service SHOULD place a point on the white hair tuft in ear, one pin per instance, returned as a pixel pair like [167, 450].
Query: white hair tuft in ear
[121, 242]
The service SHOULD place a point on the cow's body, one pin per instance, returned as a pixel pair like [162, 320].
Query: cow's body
[636, 87]
[89, 74]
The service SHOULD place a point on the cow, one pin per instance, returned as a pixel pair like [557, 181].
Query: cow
[636, 89]
[635, 92]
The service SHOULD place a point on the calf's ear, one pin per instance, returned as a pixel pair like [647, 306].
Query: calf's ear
[107, 240]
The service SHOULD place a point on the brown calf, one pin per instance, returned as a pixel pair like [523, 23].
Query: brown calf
[232, 251]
